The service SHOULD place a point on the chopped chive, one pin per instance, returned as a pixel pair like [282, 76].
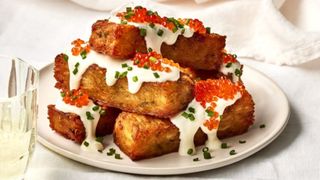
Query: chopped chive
[86, 144]
[123, 22]
[232, 152]
[138, 7]
[150, 49]
[117, 156]
[262, 126]
[124, 74]
[238, 72]
[95, 108]
[175, 29]
[242, 141]
[206, 155]
[220, 117]
[129, 15]
[234, 56]
[191, 117]
[83, 54]
[111, 152]
[153, 59]
[89, 116]
[65, 57]
[187, 22]
[129, 68]
[102, 112]
[21, 157]
[205, 149]
[156, 75]
[183, 30]
[75, 71]
[99, 139]
[62, 94]
[229, 65]
[146, 67]
[209, 112]
[185, 115]
[190, 151]
[149, 13]
[136, 62]
[151, 25]
[208, 29]
[224, 146]
[134, 78]
[77, 65]
[160, 32]
[128, 9]
[143, 32]
[191, 109]
[100, 151]
[124, 65]
[117, 74]
[196, 159]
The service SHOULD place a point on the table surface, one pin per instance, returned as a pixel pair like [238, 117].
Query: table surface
[37, 30]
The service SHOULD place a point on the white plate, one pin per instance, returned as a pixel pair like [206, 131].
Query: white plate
[272, 109]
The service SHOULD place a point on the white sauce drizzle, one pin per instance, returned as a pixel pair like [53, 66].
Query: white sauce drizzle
[113, 65]
[153, 40]
[189, 128]
[231, 70]
[89, 125]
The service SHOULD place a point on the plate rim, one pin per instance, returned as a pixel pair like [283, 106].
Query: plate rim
[179, 170]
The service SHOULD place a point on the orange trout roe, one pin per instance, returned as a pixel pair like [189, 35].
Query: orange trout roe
[154, 61]
[77, 98]
[229, 58]
[142, 15]
[209, 91]
[80, 48]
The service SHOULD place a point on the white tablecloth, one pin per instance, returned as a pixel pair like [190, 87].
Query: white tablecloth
[37, 30]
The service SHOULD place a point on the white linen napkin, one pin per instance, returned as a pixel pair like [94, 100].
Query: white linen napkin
[254, 29]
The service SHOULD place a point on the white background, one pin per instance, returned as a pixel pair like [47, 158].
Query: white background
[37, 30]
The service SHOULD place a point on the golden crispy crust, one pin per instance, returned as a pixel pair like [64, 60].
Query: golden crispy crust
[141, 136]
[157, 99]
[71, 127]
[201, 51]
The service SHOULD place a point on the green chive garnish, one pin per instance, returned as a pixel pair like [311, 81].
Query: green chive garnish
[160, 32]
[86, 144]
[95, 108]
[65, 57]
[208, 29]
[191, 109]
[21, 157]
[117, 156]
[124, 65]
[185, 115]
[146, 67]
[238, 72]
[149, 13]
[242, 141]
[102, 112]
[129, 15]
[175, 29]
[232, 152]
[262, 126]
[63, 94]
[234, 56]
[229, 65]
[123, 22]
[99, 139]
[138, 7]
[150, 49]
[209, 112]
[100, 151]
[156, 75]
[153, 59]
[143, 32]
[187, 22]
[190, 151]
[183, 30]
[83, 54]
[206, 155]
[128, 9]
[77, 65]
[117, 74]
[196, 159]
[124, 74]
[75, 71]
[111, 152]
[220, 117]
[134, 78]
[129, 68]
[89, 116]
[151, 25]
[191, 117]
[224, 146]
[205, 149]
